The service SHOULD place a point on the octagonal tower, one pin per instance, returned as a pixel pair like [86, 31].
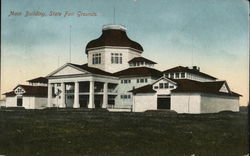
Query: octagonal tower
[112, 50]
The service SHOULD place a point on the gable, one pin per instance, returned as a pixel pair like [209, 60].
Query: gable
[68, 70]
[224, 88]
[19, 91]
[164, 84]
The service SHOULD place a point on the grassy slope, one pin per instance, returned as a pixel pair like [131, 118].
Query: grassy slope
[51, 132]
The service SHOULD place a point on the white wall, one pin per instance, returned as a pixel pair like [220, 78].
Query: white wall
[40, 102]
[123, 88]
[127, 55]
[215, 103]
[2, 102]
[11, 101]
[68, 71]
[143, 102]
[185, 102]
[29, 102]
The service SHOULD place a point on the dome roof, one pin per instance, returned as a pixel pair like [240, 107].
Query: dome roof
[114, 35]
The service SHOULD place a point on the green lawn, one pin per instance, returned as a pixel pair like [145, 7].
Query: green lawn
[85, 132]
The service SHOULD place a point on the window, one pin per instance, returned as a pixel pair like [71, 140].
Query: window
[125, 81]
[172, 75]
[161, 85]
[19, 91]
[96, 58]
[167, 75]
[144, 80]
[182, 75]
[171, 86]
[116, 58]
[53, 92]
[156, 87]
[177, 75]
[59, 84]
[19, 101]
[165, 85]
[125, 96]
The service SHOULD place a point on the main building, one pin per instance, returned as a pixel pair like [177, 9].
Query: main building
[118, 78]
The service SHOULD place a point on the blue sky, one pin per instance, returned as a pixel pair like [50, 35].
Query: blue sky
[170, 31]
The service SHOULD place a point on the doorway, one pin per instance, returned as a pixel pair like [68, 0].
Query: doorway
[19, 101]
[163, 102]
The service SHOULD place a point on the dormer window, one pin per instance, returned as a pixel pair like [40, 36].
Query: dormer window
[182, 75]
[96, 58]
[116, 58]
[19, 91]
[141, 62]
[177, 75]
[172, 75]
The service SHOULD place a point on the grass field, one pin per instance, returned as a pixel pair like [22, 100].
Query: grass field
[85, 132]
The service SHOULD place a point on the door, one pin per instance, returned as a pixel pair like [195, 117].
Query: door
[163, 103]
[19, 101]
[83, 100]
[97, 103]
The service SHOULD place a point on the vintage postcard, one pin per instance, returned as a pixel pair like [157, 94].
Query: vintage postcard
[124, 77]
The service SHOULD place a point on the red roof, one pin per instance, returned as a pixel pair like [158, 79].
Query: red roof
[141, 59]
[114, 37]
[186, 69]
[39, 80]
[40, 91]
[185, 85]
[139, 71]
[92, 69]
[144, 89]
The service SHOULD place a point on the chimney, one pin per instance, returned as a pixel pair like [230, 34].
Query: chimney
[196, 68]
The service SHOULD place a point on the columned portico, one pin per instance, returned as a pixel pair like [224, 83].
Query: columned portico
[105, 95]
[49, 94]
[76, 96]
[62, 104]
[91, 94]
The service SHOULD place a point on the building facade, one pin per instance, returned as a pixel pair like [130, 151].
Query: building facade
[32, 96]
[118, 78]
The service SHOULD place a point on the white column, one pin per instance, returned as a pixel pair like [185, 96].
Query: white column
[105, 95]
[91, 94]
[76, 96]
[49, 95]
[62, 104]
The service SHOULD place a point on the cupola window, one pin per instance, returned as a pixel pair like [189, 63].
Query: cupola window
[116, 58]
[182, 75]
[96, 58]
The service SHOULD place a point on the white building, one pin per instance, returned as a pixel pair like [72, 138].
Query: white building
[33, 96]
[117, 77]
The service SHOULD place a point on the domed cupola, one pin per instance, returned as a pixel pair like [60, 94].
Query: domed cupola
[114, 35]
